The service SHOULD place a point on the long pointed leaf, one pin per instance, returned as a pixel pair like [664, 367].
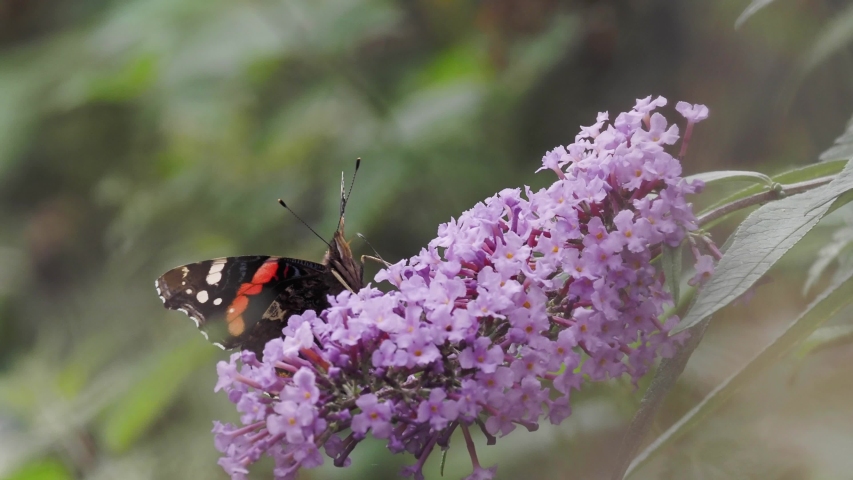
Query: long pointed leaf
[731, 176]
[672, 270]
[759, 242]
[835, 298]
[665, 378]
[842, 184]
[823, 338]
[801, 174]
[828, 254]
[751, 10]
[843, 147]
[831, 39]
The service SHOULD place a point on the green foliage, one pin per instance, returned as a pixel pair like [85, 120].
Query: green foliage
[828, 304]
[47, 469]
[148, 400]
[825, 338]
[841, 240]
[760, 241]
[672, 269]
[834, 38]
[722, 176]
[843, 147]
[801, 174]
[751, 10]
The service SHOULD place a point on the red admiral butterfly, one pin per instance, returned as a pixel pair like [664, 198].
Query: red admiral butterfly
[243, 302]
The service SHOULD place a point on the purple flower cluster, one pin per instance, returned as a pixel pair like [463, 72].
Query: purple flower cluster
[525, 293]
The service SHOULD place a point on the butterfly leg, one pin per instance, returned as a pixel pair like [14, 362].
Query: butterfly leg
[341, 279]
[374, 259]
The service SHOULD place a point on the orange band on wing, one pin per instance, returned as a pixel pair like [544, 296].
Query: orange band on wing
[237, 307]
[250, 289]
[236, 326]
[234, 314]
[266, 273]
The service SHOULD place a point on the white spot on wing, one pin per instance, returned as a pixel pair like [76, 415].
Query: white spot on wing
[189, 291]
[159, 293]
[217, 266]
[202, 296]
[217, 301]
[214, 278]
[205, 334]
[184, 271]
[219, 345]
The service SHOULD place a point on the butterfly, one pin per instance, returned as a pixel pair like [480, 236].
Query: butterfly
[244, 302]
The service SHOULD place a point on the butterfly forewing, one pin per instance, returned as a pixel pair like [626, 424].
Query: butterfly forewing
[244, 301]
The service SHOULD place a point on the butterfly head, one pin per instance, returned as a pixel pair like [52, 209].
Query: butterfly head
[340, 260]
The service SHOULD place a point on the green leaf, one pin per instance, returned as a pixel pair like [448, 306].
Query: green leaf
[148, 399]
[17, 117]
[843, 148]
[810, 172]
[130, 81]
[759, 242]
[842, 184]
[841, 201]
[825, 337]
[845, 264]
[829, 303]
[841, 239]
[664, 380]
[672, 269]
[753, 7]
[90, 353]
[461, 63]
[443, 460]
[731, 176]
[832, 39]
[41, 469]
[802, 174]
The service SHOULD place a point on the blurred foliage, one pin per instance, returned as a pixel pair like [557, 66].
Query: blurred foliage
[139, 135]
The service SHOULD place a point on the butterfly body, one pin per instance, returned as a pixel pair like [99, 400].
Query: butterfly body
[243, 302]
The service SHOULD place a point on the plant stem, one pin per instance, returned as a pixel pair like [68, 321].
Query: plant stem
[762, 197]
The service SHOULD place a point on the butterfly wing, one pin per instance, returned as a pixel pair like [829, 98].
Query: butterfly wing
[244, 301]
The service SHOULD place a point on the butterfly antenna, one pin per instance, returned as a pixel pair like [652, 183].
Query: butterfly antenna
[281, 202]
[345, 198]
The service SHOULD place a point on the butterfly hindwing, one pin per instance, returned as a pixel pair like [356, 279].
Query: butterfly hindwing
[244, 301]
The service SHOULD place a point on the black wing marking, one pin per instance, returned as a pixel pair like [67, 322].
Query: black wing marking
[228, 297]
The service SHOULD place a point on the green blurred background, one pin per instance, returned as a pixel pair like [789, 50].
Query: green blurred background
[138, 135]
